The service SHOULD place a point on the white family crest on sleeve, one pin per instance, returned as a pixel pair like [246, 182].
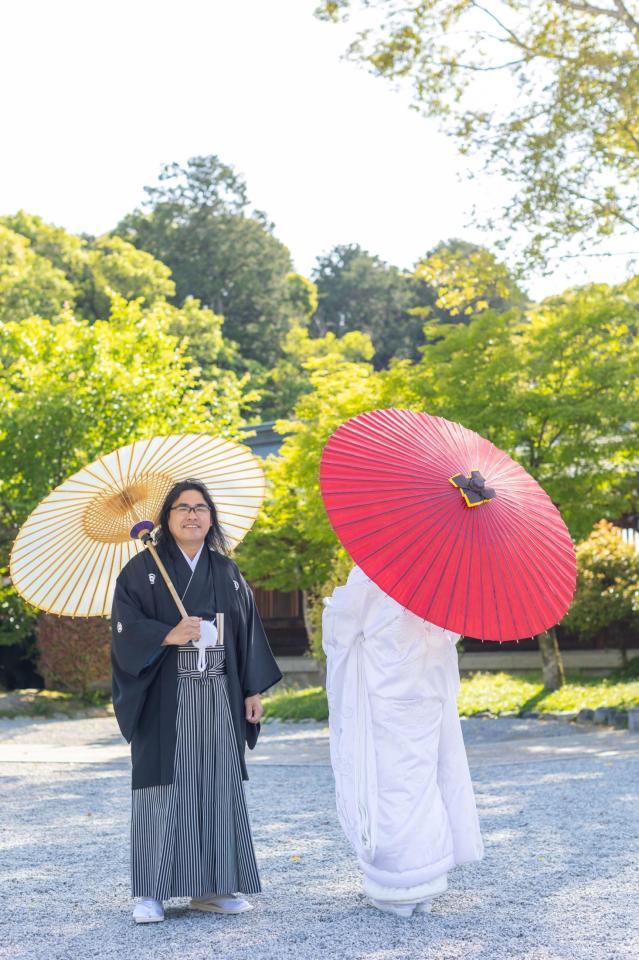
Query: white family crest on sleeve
[237, 586]
[151, 578]
[119, 627]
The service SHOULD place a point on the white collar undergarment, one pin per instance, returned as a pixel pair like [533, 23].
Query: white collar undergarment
[192, 563]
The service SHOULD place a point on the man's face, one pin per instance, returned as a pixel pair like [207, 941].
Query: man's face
[190, 519]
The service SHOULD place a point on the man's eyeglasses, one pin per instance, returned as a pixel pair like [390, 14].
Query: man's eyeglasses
[184, 510]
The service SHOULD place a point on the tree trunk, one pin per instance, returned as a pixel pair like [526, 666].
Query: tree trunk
[551, 663]
[314, 641]
[305, 615]
[623, 646]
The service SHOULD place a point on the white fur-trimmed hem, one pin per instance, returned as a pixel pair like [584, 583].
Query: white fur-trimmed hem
[422, 891]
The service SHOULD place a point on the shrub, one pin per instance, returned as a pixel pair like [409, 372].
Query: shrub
[606, 603]
[16, 617]
[340, 569]
[74, 654]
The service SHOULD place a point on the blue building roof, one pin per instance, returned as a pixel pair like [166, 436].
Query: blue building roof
[264, 439]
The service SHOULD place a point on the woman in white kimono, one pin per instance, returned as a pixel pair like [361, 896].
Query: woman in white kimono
[404, 796]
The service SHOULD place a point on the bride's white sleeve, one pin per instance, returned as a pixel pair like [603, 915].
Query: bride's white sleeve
[352, 747]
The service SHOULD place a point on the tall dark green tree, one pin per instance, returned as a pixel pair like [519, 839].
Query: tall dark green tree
[198, 221]
[359, 291]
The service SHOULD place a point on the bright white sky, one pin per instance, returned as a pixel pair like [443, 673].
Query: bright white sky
[98, 95]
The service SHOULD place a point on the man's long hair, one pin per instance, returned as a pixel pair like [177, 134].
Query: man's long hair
[215, 538]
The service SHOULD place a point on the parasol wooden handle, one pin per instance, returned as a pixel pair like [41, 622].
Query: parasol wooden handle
[166, 578]
[175, 595]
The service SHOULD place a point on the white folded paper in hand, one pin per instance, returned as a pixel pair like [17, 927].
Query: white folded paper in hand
[208, 638]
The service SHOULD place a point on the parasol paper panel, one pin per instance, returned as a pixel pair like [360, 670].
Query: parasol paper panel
[496, 568]
[69, 552]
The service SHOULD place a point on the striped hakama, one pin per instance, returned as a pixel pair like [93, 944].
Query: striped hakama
[192, 838]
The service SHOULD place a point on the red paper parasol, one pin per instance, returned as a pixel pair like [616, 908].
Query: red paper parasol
[448, 525]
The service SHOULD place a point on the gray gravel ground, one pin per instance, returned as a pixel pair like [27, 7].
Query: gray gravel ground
[559, 811]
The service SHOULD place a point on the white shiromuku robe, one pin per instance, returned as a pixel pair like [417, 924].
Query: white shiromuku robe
[404, 795]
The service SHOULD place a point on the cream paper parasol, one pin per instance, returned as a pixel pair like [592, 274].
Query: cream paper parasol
[68, 553]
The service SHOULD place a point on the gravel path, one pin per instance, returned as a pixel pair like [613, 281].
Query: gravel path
[559, 806]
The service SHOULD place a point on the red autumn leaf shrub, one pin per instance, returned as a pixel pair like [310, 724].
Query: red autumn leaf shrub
[74, 654]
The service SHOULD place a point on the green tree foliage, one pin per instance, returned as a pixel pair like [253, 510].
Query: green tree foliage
[44, 269]
[201, 331]
[16, 617]
[547, 93]
[64, 250]
[358, 291]
[467, 280]
[281, 386]
[337, 576]
[302, 298]
[197, 221]
[29, 283]
[606, 604]
[293, 545]
[71, 391]
[120, 271]
[292, 377]
[556, 387]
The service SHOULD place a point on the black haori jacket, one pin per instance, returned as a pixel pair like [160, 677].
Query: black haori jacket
[145, 672]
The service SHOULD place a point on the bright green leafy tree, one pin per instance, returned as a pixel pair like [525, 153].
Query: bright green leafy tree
[556, 387]
[43, 269]
[201, 330]
[293, 545]
[282, 385]
[120, 271]
[71, 391]
[606, 603]
[29, 283]
[358, 291]
[65, 251]
[467, 280]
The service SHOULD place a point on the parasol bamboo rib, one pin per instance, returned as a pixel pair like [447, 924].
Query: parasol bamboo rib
[503, 573]
[69, 551]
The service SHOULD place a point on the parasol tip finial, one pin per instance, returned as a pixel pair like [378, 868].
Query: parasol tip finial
[142, 529]
[473, 488]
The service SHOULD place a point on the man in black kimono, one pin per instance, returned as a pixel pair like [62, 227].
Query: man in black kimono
[188, 719]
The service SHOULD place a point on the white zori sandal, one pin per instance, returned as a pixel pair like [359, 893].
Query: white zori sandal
[398, 909]
[403, 902]
[230, 904]
[148, 911]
